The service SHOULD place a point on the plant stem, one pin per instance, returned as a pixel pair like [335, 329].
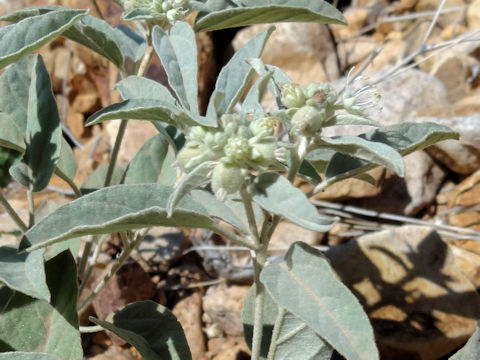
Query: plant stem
[118, 263]
[12, 213]
[86, 253]
[247, 203]
[275, 333]
[31, 208]
[234, 237]
[92, 262]
[258, 264]
[90, 329]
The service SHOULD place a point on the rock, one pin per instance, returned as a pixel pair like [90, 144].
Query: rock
[394, 48]
[473, 15]
[452, 31]
[287, 233]
[463, 66]
[445, 19]
[303, 50]
[462, 156]
[420, 304]
[160, 248]
[410, 194]
[353, 51]
[228, 348]
[189, 313]
[222, 307]
[130, 283]
[116, 353]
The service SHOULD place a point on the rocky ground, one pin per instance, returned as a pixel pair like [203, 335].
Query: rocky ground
[408, 248]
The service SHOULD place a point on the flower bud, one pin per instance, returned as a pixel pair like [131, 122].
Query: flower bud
[263, 152]
[193, 155]
[237, 148]
[197, 133]
[320, 94]
[292, 96]
[308, 120]
[173, 15]
[226, 179]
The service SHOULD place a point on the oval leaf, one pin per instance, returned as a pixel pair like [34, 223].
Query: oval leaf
[221, 14]
[136, 87]
[43, 131]
[305, 285]
[24, 272]
[151, 328]
[276, 194]
[115, 208]
[177, 50]
[18, 40]
[51, 327]
[471, 350]
[66, 165]
[96, 180]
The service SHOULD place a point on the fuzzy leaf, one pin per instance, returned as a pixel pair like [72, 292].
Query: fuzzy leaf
[279, 78]
[132, 42]
[146, 165]
[148, 109]
[96, 180]
[29, 324]
[218, 209]
[189, 182]
[177, 50]
[305, 285]
[251, 104]
[22, 355]
[151, 328]
[350, 119]
[43, 132]
[471, 350]
[221, 14]
[235, 76]
[136, 87]
[276, 194]
[66, 165]
[24, 272]
[20, 39]
[115, 208]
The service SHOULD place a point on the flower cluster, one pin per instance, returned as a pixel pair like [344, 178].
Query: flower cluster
[308, 107]
[166, 11]
[237, 148]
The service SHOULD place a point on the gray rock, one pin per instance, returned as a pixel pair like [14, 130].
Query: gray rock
[420, 304]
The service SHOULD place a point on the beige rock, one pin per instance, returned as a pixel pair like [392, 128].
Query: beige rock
[116, 353]
[452, 31]
[86, 103]
[189, 313]
[473, 15]
[356, 18]
[292, 42]
[287, 233]
[391, 53]
[228, 348]
[463, 66]
[420, 304]
[222, 306]
[353, 51]
[445, 19]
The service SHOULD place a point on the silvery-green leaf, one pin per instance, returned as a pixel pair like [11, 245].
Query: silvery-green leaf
[136, 87]
[24, 272]
[251, 104]
[174, 136]
[43, 131]
[276, 194]
[279, 77]
[169, 170]
[132, 42]
[177, 50]
[115, 208]
[189, 182]
[305, 285]
[221, 14]
[471, 350]
[138, 14]
[20, 39]
[96, 180]
[22, 355]
[5, 295]
[151, 328]
[66, 165]
[308, 172]
[33, 325]
[350, 119]
[218, 209]
[357, 147]
[235, 76]
[405, 138]
[148, 109]
[146, 165]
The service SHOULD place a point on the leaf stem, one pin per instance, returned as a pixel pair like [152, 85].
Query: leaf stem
[276, 332]
[118, 263]
[247, 204]
[31, 208]
[258, 263]
[12, 213]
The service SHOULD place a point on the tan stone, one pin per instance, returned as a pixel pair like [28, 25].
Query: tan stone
[353, 51]
[445, 19]
[287, 233]
[420, 304]
[473, 15]
[189, 313]
[452, 31]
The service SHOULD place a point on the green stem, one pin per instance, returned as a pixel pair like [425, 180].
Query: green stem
[12, 213]
[70, 182]
[275, 333]
[96, 253]
[31, 208]
[258, 264]
[118, 263]
[247, 203]
[86, 253]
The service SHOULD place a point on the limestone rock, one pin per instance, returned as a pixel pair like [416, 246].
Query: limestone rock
[189, 313]
[473, 15]
[420, 304]
[287, 233]
[353, 51]
[445, 19]
[303, 50]
[462, 156]
[222, 306]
